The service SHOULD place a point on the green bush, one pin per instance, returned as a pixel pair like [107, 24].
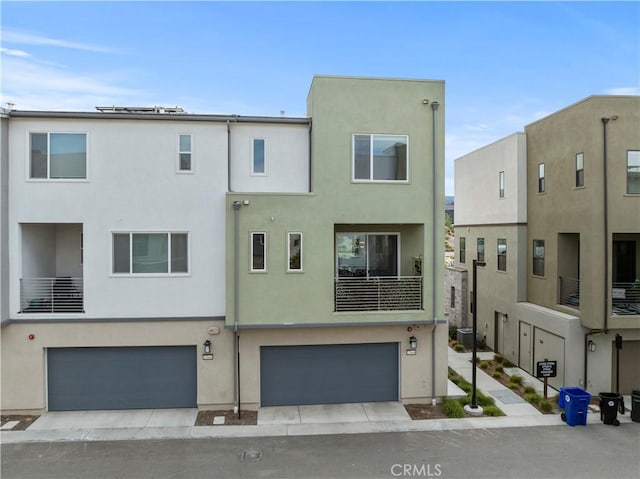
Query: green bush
[453, 331]
[496, 374]
[513, 386]
[546, 405]
[507, 363]
[452, 408]
[477, 359]
[459, 348]
[500, 368]
[484, 364]
[483, 400]
[498, 358]
[516, 379]
[533, 398]
[453, 343]
[529, 390]
[463, 401]
[492, 411]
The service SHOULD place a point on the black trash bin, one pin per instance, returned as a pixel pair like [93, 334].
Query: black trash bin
[635, 405]
[610, 403]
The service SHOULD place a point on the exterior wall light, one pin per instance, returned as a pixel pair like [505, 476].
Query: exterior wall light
[591, 345]
[413, 342]
[207, 347]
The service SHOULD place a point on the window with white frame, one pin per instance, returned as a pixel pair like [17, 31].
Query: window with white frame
[380, 157]
[633, 172]
[538, 258]
[258, 165]
[501, 184]
[185, 152]
[579, 170]
[258, 251]
[541, 185]
[294, 251]
[58, 155]
[150, 253]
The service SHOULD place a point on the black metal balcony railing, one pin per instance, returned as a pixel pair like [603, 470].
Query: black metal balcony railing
[625, 298]
[569, 292]
[378, 294]
[51, 295]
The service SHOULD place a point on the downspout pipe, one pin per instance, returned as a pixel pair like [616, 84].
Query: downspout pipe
[605, 121]
[236, 305]
[229, 157]
[434, 231]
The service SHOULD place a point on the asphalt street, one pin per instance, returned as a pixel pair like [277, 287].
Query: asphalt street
[562, 452]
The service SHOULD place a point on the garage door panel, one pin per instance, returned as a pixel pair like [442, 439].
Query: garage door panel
[328, 374]
[121, 378]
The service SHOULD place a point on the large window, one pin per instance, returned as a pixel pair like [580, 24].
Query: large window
[538, 257]
[150, 253]
[580, 169]
[367, 254]
[463, 249]
[633, 172]
[501, 184]
[502, 254]
[185, 153]
[258, 166]
[480, 249]
[380, 157]
[58, 156]
[294, 252]
[541, 185]
[259, 252]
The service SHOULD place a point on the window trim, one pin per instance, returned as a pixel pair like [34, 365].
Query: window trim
[484, 250]
[627, 173]
[253, 156]
[169, 273]
[180, 152]
[398, 236]
[533, 258]
[462, 251]
[542, 187]
[251, 268]
[289, 269]
[56, 180]
[371, 137]
[501, 184]
[498, 254]
[579, 179]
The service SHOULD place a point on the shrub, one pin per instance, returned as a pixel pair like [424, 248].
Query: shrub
[453, 331]
[483, 400]
[484, 364]
[493, 411]
[482, 344]
[529, 390]
[498, 358]
[516, 379]
[463, 401]
[496, 374]
[453, 343]
[500, 368]
[477, 359]
[507, 363]
[513, 386]
[554, 398]
[533, 398]
[546, 405]
[459, 348]
[452, 408]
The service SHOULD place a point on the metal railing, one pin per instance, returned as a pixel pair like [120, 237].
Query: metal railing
[569, 292]
[402, 293]
[625, 298]
[51, 295]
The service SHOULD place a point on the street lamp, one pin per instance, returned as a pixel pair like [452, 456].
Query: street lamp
[473, 408]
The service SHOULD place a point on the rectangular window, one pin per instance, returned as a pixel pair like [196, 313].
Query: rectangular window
[480, 244]
[580, 169]
[258, 165]
[380, 157]
[538, 257]
[502, 254]
[258, 252]
[184, 153]
[58, 156]
[633, 172]
[541, 178]
[453, 297]
[501, 184]
[294, 252]
[367, 254]
[463, 250]
[150, 253]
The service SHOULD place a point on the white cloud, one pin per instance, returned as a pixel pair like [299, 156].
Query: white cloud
[14, 53]
[23, 38]
[623, 91]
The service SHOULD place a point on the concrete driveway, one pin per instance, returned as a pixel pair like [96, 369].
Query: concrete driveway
[129, 418]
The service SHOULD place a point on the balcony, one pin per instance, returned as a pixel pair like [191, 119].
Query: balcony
[569, 294]
[625, 298]
[51, 295]
[355, 294]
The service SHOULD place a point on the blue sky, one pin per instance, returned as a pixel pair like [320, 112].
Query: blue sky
[505, 64]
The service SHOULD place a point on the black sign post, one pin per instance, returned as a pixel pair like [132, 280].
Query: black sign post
[546, 369]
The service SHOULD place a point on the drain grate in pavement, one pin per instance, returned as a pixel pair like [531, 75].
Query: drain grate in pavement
[506, 396]
[251, 455]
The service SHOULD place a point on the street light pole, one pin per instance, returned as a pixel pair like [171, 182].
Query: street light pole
[473, 407]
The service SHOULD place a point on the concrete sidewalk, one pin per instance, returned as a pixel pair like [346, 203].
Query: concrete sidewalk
[295, 420]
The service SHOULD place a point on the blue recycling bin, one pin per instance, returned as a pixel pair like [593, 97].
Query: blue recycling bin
[575, 403]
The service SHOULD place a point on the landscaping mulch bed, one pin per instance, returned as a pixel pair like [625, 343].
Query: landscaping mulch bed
[23, 421]
[425, 411]
[247, 418]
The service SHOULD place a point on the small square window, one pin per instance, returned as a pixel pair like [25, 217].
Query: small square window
[380, 157]
[58, 156]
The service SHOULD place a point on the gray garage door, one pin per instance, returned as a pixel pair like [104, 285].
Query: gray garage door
[328, 374]
[121, 378]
